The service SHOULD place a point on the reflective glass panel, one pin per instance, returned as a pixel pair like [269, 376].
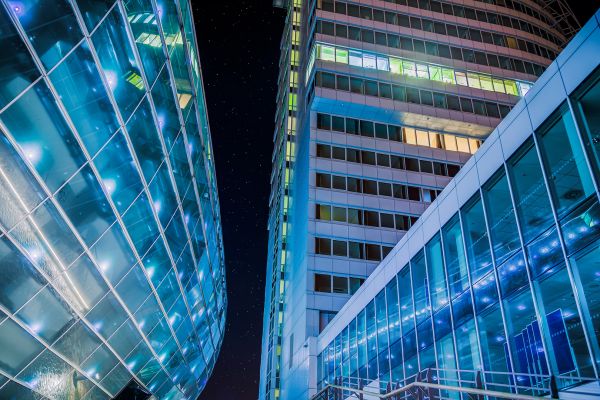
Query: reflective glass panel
[145, 140]
[529, 190]
[93, 11]
[17, 69]
[50, 26]
[44, 137]
[569, 176]
[82, 93]
[562, 325]
[146, 35]
[85, 204]
[118, 63]
[436, 274]
[501, 217]
[476, 238]
[119, 173]
[456, 264]
[588, 110]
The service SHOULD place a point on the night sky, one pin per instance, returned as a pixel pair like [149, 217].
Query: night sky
[239, 49]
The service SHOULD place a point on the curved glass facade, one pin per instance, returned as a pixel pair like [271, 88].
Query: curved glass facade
[112, 276]
[501, 273]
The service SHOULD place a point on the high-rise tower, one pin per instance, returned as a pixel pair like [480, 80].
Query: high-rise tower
[380, 103]
[112, 280]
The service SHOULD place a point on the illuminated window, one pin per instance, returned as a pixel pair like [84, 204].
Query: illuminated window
[369, 61]
[341, 56]
[395, 66]
[461, 79]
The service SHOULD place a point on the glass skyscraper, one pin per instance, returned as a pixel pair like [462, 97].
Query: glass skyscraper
[501, 273]
[380, 105]
[112, 277]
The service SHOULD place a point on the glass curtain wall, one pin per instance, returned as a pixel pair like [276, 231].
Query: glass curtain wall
[509, 286]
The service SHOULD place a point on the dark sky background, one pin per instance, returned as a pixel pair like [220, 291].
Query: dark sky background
[239, 49]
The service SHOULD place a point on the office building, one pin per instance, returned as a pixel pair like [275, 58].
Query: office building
[380, 103]
[112, 281]
[500, 274]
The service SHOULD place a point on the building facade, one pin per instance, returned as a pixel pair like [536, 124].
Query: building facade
[380, 104]
[112, 280]
[500, 274]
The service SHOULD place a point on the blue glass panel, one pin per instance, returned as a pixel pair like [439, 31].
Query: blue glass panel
[50, 26]
[145, 140]
[456, 264]
[141, 225]
[134, 288]
[436, 274]
[161, 190]
[86, 206]
[45, 139]
[17, 69]
[77, 343]
[513, 275]
[93, 11]
[47, 314]
[501, 217]
[544, 251]
[420, 287]
[147, 36]
[119, 173]
[157, 262]
[529, 190]
[50, 376]
[18, 347]
[113, 254]
[82, 93]
[166, 110]
[485, 292]
[476, 238]
[100, 363]
[118, 63]
[19, 280]
[582, 226]
[564, 161]
[107, 316]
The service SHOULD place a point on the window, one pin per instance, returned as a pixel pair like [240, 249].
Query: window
[339, 214]
[323, 180]
[322, 283]
[387, 220]
[564, 161]
[355, 284]
[340, 284]
[323, 212]
[371, 218]
[338, 153]
[338, 182]
[323, 150]
[373, 252]
[340, 248]
[323, 246]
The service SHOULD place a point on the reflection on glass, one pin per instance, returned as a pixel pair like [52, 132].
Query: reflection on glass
[50, 26]
[588, 110]
[82, 93]
[566, 167]
[118, 64]
[476, 238]
[86, 206]
[531, 197]
[17, 69]
[43, 136]
[118, 172]
[501, 217]
[146, 35]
